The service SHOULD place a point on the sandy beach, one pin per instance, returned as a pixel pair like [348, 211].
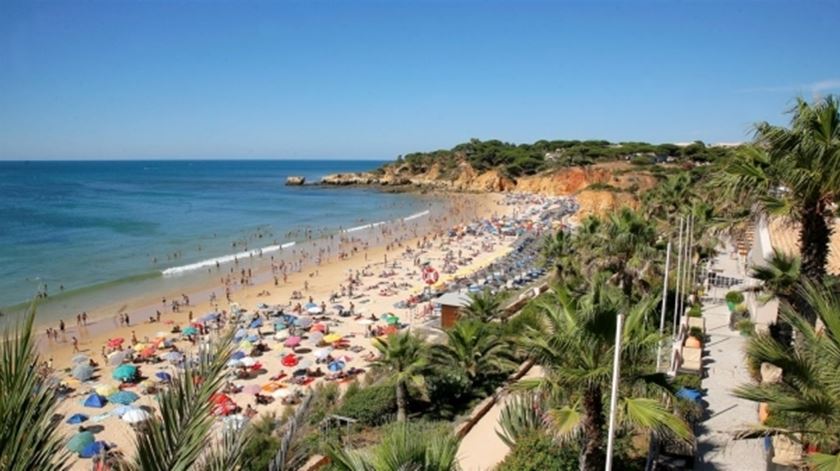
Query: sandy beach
[379, 288]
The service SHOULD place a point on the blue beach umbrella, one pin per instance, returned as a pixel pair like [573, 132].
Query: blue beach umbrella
[256, 323]
[82, 372]
[253, 338]
[310, 305]
[163, 376]
[92, 449]
[120, 410]
[124, 372]
[80, 441]
[336, 366]
[174, 357]
[238, 355]
[123, 397]
[76, 419]
[80, 358]
[240, 334]
[95, 400]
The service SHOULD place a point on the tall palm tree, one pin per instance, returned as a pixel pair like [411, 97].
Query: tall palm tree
[403, 355]
[794, 173]
[559, 250]
[182, 436]
[780, 276]
[805, 405]
[575, 347]
[484, 306]
[29, 438]
[404, 446]
[474, 350]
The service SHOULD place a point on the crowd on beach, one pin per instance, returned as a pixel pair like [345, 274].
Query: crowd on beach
[285, 345]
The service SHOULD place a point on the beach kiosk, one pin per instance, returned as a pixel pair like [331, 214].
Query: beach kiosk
[450, 308]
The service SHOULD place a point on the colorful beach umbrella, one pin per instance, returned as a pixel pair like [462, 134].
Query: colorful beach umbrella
[248, 361]
[238, 355]
[116, 358]
[121, 409]
[92, 449]
[304, 322]
[76, 419]
[174, 357]
[256, 323]
[115, 342]
[106, 389]
[323, 352]
[315, 337]
[82, 372]
[163, 376]
[95, 401]
[124, 372]
[123, 397]
[240, 334]
[332, 338]
[251, 389]
[292, 341]
[336, 366]
[318, 328]
[234, 363]
[135, 416]
[189, 330]
[79, 441]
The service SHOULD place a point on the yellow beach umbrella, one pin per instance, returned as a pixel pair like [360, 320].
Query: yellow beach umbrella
[140, 347]
[332, 338]
[106, 389]
[246, 346]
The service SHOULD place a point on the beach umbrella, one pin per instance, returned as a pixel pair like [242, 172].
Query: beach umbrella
[256, 323]
[279, 325]
[82, 372]
[118, 357]
[323, 352]
[332, 338]
[392, 320]
[305, 363]
[246, 345]
[146, 386]
[251, 389]
[148, 351]
[292, 341]
[315, 337]
[281, 335]
[80, 358]
[248, 361]
[92, 449]
[253, 338]
[271, 387]
[135, 416]
[234, 363]
[164, 376]
[139, 347]
[314, 310]
[281, 393]
[124, 372]
[121, 409]
[309, 305]
[174, 357]
[106, 389]
[336, 366]
[319, 327]
[76, 419]
[290, 360]
[189, 330]
[238, 355]
[304, 322]
[240, 334]
[95, 401]
[115, 342]
[80, 441]
[123, 397]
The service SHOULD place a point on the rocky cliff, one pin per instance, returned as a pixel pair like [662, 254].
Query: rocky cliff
[598, 188]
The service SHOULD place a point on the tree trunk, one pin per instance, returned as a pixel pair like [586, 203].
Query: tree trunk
[593, 452]
[401, 401]
[814, 237]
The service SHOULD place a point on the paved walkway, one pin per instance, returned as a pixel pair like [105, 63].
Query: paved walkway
[726, 369]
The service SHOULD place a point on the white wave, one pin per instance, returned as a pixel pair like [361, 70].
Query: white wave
[211, 262]
[418, 215]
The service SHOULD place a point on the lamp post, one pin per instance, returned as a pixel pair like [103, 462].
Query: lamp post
[619, 323]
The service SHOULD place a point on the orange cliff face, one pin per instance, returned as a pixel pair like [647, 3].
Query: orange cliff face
[616, 183]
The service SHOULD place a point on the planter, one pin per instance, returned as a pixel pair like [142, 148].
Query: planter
[693, 342]
[731, 306]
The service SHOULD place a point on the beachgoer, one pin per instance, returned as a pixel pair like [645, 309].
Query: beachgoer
[75, 345]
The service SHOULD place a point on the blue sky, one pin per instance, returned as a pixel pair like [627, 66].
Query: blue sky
[373, 79]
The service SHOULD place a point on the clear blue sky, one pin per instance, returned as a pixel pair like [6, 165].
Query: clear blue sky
[365, 79]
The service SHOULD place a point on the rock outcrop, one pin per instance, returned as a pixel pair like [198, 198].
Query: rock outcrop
[295, 181]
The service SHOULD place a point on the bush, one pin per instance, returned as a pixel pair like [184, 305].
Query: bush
[687, 381]
[372, 405]
[734, 297]
[696, 332]
[745, 326]
[695, 311]
[538, 452]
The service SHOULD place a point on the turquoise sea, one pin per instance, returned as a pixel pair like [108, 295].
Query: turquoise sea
[75, 227]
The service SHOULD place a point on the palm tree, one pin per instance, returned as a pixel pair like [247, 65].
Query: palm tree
[805, 405]
[182, 436]
[559, 251]
[575, 347]
[404, 446]
[404, 356]
[794, 173]
[484, 306]
[474, 350]
[780, 276]
[29, 438]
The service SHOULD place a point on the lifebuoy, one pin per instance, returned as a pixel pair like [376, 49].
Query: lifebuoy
[430, 275]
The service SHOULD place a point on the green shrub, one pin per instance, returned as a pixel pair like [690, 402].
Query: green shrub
[687, 381]
[735, 297]
[538, 452]
[745, 326]
[371, 405]
[696, 332]
[695, 311]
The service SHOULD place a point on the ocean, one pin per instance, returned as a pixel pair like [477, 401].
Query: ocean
[90, 231]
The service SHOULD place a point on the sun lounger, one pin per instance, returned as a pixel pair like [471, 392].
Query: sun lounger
[691, 360]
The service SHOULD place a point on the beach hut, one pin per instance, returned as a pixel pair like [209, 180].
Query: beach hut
[450, 308]
[95, 400]
[79, 441]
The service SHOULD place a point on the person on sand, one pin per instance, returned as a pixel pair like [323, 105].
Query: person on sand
[133, 338]
[61, 327]
[75, 345]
